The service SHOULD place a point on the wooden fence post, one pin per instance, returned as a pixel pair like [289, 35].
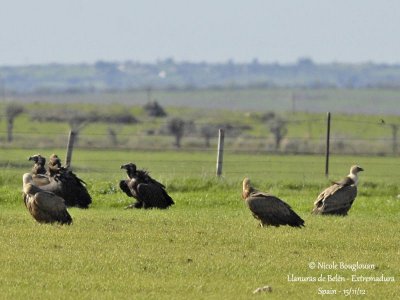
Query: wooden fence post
[328, 134]
[395, 129]
[70, 148]
[220, 153]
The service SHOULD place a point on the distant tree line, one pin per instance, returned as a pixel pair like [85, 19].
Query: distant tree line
[177, 127]
[169, 74]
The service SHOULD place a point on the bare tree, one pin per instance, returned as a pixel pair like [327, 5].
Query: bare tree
[112, 136]
[153, 109]
[278, 128]
[268, 116]
[76, 119]
[176, 127]
[208, 131]
[12, 110]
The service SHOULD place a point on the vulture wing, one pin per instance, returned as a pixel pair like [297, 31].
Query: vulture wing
[144, 176]
[153, 195]
[52, 185]
[124, 186]
[73, 190]
[155, 182]
[47, 207]
[335, 200]
[271, 210]
[68, 187]
[129, 187]
[345, 181]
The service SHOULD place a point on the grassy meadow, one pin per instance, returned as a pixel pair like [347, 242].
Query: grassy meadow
[207, 246]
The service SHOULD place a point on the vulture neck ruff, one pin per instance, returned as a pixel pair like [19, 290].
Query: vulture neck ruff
[353, 175]
[26, 178]
[247, 189]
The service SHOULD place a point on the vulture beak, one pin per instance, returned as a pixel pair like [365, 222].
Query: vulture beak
[130, 168]
[360, 169]
[129, 165]
[35, 157]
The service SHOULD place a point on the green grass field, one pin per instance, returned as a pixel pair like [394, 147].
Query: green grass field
[207, 246]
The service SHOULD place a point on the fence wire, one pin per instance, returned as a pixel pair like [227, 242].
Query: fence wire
[358, 138]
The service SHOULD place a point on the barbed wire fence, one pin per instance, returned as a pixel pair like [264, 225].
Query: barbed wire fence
[346, 140]
[330, 138]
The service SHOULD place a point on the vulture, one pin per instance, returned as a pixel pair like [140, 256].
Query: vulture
[148, 192]
[54, 165]
[38, 171]
[338, 198]
[38, 167]
[64, 183]
[44, 206]
[268, 209]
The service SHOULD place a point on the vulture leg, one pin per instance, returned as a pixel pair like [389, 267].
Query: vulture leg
[138, 204]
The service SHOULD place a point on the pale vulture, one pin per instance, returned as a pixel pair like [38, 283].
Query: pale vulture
[338, 198]
[44, 206]
[268, 209]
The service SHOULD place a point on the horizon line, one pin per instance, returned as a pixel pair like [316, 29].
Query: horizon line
[300, 60]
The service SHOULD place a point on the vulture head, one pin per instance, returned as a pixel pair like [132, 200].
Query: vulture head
[38, 159]
[247, 188]
[38, 167]
[130, 169]
[55, 161]
[355, 169]
[54, 164]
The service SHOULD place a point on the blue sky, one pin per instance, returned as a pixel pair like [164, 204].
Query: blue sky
[72, 31]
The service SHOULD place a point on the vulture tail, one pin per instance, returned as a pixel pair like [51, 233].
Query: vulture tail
[65, 218]
[296, 221]
[168, 199]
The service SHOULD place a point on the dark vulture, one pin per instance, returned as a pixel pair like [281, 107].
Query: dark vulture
[64, 183]
[39, 176]
[38, 167]
[148, 192]
[54, 165]
[339, 197]
[268, 209]
[44, 206]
